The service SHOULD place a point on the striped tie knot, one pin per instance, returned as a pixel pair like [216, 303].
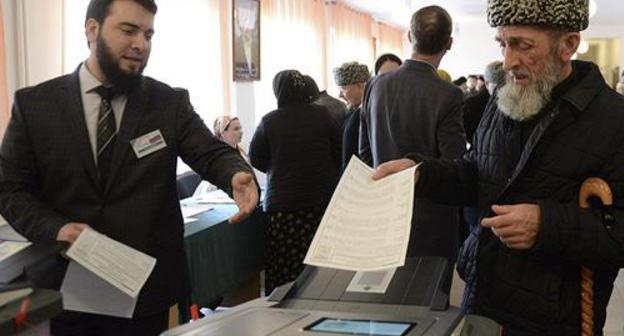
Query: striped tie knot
[106, 92]
[106, 130]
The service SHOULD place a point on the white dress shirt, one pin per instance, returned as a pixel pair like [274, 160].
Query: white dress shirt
[91, 105]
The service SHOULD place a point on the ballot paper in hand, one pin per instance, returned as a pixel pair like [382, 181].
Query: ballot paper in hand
[366, 226]
[105, 276]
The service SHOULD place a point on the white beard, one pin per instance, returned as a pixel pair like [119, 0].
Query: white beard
[521, 103]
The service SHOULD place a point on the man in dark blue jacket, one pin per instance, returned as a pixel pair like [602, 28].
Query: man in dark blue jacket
[554, 124]
[412, 110]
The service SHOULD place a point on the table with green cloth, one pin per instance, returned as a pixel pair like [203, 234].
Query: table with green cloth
[221, 256]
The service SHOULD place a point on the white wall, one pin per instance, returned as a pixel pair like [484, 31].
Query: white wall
[615, 31]
[473, 48]
[34, 38]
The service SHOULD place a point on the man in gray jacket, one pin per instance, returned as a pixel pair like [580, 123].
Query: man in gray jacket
[412, 110]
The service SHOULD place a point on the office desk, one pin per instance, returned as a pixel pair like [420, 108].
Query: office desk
[222, 256]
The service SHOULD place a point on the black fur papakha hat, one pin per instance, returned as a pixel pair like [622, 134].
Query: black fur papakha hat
[568, 15]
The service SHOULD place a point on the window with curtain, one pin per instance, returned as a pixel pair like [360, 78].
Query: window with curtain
[292, 37]
[390, 40]
[4, 94]
[351, 39]
[187, 50]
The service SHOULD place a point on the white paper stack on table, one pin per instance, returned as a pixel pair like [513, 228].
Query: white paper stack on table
[191, 207]
[104, 276]
[366, 226]
[214, 197]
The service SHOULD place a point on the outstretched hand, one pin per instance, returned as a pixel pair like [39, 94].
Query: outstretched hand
[245, 193]
[517, 226]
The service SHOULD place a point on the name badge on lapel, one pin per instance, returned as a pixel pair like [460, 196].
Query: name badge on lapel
[148, 143]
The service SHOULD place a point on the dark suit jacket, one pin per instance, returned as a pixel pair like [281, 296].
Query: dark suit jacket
[48, 176]
[412, 110]
[298, 147]
[336, 108]
[350, 137]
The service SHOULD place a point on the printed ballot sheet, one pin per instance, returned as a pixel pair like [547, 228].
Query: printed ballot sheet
[366, 226]
[104, 270]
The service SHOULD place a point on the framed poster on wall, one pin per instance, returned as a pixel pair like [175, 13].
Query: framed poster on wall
[246, 40]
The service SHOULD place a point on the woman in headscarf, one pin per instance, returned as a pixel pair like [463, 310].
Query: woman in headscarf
[229, 130]
[386, 63]
[298, 146]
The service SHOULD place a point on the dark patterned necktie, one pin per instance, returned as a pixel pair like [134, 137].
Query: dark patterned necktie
[106, 132]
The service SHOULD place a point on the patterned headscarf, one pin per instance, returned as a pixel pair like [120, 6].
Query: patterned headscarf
[351, 73]
[289, 87]
[569, 15]
[221, 124]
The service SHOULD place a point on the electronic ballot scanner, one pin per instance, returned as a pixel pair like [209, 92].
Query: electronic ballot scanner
[323, 302]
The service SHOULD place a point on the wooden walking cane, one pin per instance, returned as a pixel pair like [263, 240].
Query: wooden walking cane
[592, 187]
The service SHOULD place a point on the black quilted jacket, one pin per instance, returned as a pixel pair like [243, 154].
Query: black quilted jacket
[537, 292]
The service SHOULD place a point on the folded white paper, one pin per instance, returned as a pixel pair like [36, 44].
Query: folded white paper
[105, 267]
[86, 292]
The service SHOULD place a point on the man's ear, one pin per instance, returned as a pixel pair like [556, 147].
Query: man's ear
[92, 28]
[449, 44]
[568, 46]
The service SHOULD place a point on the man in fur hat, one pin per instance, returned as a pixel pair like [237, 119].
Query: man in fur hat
[554, 124]
[351, 78]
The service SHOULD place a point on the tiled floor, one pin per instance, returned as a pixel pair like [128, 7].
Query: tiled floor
[615, 310]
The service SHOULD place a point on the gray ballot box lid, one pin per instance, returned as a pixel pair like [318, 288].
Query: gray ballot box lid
[416, 283]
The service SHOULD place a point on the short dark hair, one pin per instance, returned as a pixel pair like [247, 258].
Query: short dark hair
[431, 29]
[459, 81]
[386, 57]
[99, 9]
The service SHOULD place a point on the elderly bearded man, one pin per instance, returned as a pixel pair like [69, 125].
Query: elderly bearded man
[554, 124]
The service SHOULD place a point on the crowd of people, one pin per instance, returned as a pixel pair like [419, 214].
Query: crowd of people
[501, 158]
